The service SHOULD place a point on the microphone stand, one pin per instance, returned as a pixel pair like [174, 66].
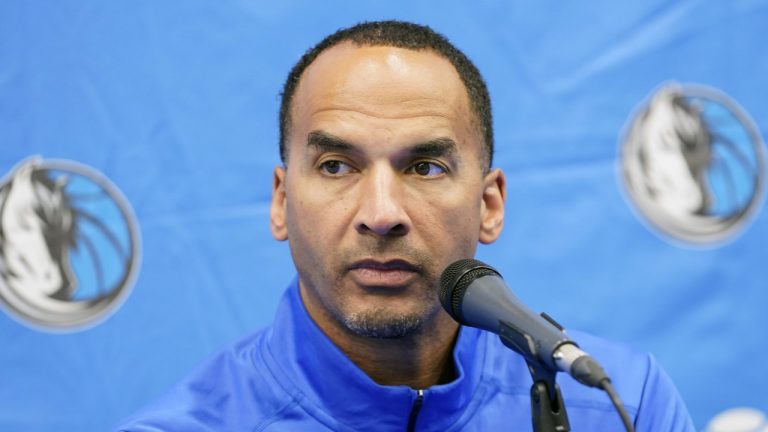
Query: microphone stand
[547, 407]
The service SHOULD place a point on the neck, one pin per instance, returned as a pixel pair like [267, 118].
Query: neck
[419, 360]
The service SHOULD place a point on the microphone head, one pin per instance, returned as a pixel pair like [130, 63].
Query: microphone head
[455, 280]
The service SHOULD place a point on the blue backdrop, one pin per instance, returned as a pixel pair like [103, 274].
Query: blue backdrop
[176, 103]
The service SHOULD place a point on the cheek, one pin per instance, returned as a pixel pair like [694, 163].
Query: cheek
[315, 219]
[451, 220]
[307, 244]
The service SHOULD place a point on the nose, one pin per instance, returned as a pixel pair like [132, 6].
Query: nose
[380, 209]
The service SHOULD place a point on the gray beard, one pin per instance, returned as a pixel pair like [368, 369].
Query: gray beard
[380, 325]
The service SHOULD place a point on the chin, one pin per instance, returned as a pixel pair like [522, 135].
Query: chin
[387, 319]
[380, 324]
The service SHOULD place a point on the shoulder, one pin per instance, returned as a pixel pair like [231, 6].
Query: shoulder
[625, 365]
[646, 391]
[232, 390]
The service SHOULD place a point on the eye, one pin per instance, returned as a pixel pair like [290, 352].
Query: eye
[427, 169]
[335, 168]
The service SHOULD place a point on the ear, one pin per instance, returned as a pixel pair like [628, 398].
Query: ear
[492, 211]
[277, 209]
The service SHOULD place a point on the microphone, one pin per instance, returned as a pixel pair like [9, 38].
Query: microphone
[475, 295]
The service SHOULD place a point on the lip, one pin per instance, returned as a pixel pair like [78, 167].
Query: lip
[376, 273]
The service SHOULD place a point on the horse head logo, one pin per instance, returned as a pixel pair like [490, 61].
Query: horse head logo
[677, 154]
[57, 253]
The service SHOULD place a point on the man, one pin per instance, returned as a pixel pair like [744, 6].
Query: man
[387, 145]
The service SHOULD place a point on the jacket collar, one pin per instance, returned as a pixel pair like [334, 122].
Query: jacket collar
[325, 381]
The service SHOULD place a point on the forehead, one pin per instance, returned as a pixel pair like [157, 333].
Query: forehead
[395, 88]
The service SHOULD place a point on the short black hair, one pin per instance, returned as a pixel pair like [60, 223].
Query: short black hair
[398, 34]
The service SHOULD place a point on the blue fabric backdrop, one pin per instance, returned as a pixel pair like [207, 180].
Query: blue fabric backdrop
[176, 103]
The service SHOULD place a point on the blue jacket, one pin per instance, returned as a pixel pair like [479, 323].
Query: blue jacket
[291, 377]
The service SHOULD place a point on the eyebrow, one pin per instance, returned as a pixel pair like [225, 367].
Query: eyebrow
[436, 147]
[325, 142]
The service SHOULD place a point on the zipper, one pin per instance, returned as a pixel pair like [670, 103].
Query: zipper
[415, 410]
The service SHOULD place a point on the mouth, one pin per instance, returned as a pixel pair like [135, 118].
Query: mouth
[375, 273]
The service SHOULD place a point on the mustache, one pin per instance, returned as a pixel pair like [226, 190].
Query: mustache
[384, 250]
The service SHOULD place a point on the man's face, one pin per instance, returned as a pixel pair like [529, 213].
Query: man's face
[384, 187]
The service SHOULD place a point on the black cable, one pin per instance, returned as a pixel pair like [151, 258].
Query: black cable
[608, 387]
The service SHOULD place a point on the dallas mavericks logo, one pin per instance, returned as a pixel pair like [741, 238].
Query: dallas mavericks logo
[693, 164]
[69, 244]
